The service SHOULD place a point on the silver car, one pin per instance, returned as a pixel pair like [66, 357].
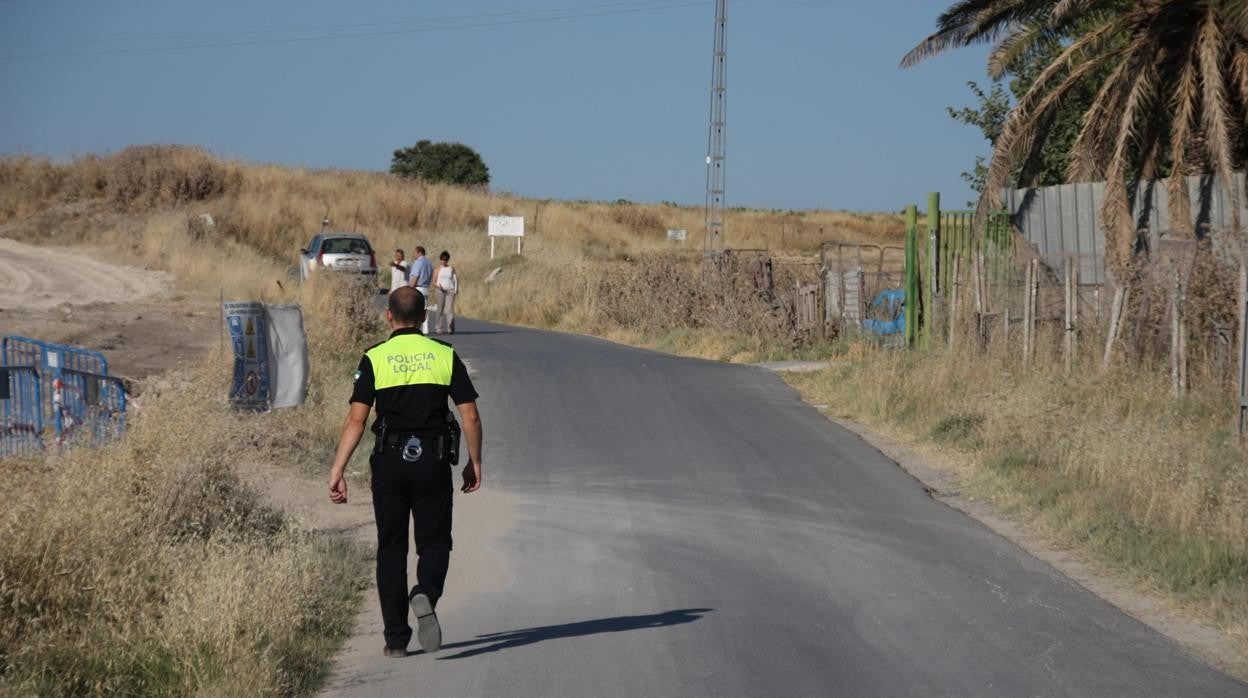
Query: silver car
[341, 252]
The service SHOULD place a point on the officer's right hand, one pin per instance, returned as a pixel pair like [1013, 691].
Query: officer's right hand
[472, 477]
[337, 488]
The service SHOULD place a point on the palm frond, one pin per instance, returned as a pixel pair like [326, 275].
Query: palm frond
[1216, 112]
[1094, 138]
[1020, 122]
[975, 21]
[1066, 10]
[1021, 39]
[1116, 211]
[1185, 95]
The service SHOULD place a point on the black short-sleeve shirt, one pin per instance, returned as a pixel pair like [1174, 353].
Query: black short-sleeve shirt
[412, 408]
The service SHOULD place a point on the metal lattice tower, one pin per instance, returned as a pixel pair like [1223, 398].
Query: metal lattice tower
[714, 241]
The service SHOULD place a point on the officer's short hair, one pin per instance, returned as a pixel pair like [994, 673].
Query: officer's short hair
[407, 305]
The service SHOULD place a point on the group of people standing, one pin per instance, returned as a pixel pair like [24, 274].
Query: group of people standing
[421, 274]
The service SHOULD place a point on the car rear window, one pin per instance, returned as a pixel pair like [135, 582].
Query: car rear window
[345, 246]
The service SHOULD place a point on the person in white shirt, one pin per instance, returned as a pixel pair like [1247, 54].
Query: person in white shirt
[398, 271]
[447, 284]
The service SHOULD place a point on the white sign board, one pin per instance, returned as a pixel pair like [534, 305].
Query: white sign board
[677, 235]
[506, 226]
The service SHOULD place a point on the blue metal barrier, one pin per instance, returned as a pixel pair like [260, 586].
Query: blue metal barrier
[21, 411]
[73, 391]
[90, 408]
[50, 358]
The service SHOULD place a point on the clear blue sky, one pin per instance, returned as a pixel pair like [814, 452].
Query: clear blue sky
[595, 107]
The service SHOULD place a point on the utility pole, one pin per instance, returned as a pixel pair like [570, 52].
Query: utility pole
[714, 241]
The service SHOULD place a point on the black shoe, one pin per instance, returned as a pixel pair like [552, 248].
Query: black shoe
[428, 632]
[399, 652]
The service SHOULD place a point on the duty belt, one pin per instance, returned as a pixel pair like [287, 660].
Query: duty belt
[444, 446]
[445, 442]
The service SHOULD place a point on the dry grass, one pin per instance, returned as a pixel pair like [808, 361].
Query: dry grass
[148, 567]
[276, 209]
[1111, 463]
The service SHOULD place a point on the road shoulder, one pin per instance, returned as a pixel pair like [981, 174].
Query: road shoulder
[943, 481]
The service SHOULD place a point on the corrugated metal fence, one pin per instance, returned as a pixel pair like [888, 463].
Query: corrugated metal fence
[1065, 219]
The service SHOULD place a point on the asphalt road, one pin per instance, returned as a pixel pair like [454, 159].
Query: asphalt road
[685, 528]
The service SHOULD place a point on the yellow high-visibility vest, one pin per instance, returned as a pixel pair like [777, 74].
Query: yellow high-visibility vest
[410, 359]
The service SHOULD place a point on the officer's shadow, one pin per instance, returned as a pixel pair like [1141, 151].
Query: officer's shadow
[493, 642]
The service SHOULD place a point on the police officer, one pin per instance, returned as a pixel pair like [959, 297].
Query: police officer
[409, 377]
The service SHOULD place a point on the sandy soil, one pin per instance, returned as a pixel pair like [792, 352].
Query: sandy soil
[39, 278]
[132, 315]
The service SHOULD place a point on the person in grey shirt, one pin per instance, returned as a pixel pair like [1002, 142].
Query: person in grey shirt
[421, 276]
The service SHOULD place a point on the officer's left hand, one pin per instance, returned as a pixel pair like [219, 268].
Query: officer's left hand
[472, 477]
[337, 488]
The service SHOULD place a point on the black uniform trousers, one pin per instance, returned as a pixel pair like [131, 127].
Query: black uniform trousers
[421, 490]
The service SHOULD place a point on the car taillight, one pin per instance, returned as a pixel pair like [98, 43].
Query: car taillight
[372, 260]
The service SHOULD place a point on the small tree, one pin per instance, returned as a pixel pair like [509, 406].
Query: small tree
[450, 163]
[989, 118]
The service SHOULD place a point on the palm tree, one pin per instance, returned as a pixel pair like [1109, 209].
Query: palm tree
[1170, 79]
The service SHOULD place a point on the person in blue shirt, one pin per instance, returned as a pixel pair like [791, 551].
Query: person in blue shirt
[421, 276]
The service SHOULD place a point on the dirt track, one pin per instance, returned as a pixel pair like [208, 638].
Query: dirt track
[38, 278]
[132, 315]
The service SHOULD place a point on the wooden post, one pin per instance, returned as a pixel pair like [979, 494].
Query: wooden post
[955, 289]
[840, 282]
[912, 276]
[1241, 419]
[1183, 343]
[932, 288]
[1122, 294]
[1176, 387]
[1072, 311]
[821, 298]
[862, 297]
[1029, 311]
[977, 271]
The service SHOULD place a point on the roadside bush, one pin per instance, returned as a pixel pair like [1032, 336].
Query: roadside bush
[675, 293]
[147, 176]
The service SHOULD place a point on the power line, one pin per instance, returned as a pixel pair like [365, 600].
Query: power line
[449, 23]
[335, 27]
